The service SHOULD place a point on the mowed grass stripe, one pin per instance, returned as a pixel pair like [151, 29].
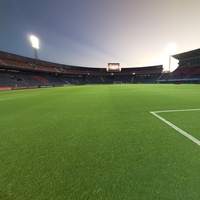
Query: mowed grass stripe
[96, 142]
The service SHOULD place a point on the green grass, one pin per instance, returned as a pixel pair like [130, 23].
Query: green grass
[99, 142]
[186, 120]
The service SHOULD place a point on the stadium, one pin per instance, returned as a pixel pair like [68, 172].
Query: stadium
[74, 132]
[26, 72]
[23, 72]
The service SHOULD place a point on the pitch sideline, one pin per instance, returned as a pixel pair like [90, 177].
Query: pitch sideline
[175, 127]
[17, 97]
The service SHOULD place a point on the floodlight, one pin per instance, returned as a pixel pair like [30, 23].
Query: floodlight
[35, 45]
[34, 41]
[171, 49]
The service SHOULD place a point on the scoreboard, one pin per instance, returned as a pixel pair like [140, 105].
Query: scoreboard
[113, 67]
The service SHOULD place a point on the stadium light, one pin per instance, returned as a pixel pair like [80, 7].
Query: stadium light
[35, 45]
[171, 49]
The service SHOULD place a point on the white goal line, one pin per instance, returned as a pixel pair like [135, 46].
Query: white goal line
[175, 127]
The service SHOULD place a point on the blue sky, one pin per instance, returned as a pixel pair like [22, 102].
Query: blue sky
[94, 32]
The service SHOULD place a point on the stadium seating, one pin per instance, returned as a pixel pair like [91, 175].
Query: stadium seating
[190, 74]
[16, 70]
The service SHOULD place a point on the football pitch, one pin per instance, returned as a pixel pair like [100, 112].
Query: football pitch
[109, 142]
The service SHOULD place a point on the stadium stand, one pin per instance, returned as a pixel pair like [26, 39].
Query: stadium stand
[188, 70]
[19, 71]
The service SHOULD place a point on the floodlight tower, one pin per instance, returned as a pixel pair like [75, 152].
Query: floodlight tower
[171, 49]
[35, 45]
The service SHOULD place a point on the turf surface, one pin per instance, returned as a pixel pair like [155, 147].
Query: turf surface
[99, 142]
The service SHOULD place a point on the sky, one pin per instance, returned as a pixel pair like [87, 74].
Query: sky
[92, 33]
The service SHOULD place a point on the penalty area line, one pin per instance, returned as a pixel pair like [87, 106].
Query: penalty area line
[183, 110]
[187, 135]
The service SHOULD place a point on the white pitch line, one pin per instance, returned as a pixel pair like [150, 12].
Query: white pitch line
[17, 97]
[184, 110]
[175, 127]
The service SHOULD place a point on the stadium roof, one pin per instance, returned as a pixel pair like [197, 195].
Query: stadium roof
[187, 55]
